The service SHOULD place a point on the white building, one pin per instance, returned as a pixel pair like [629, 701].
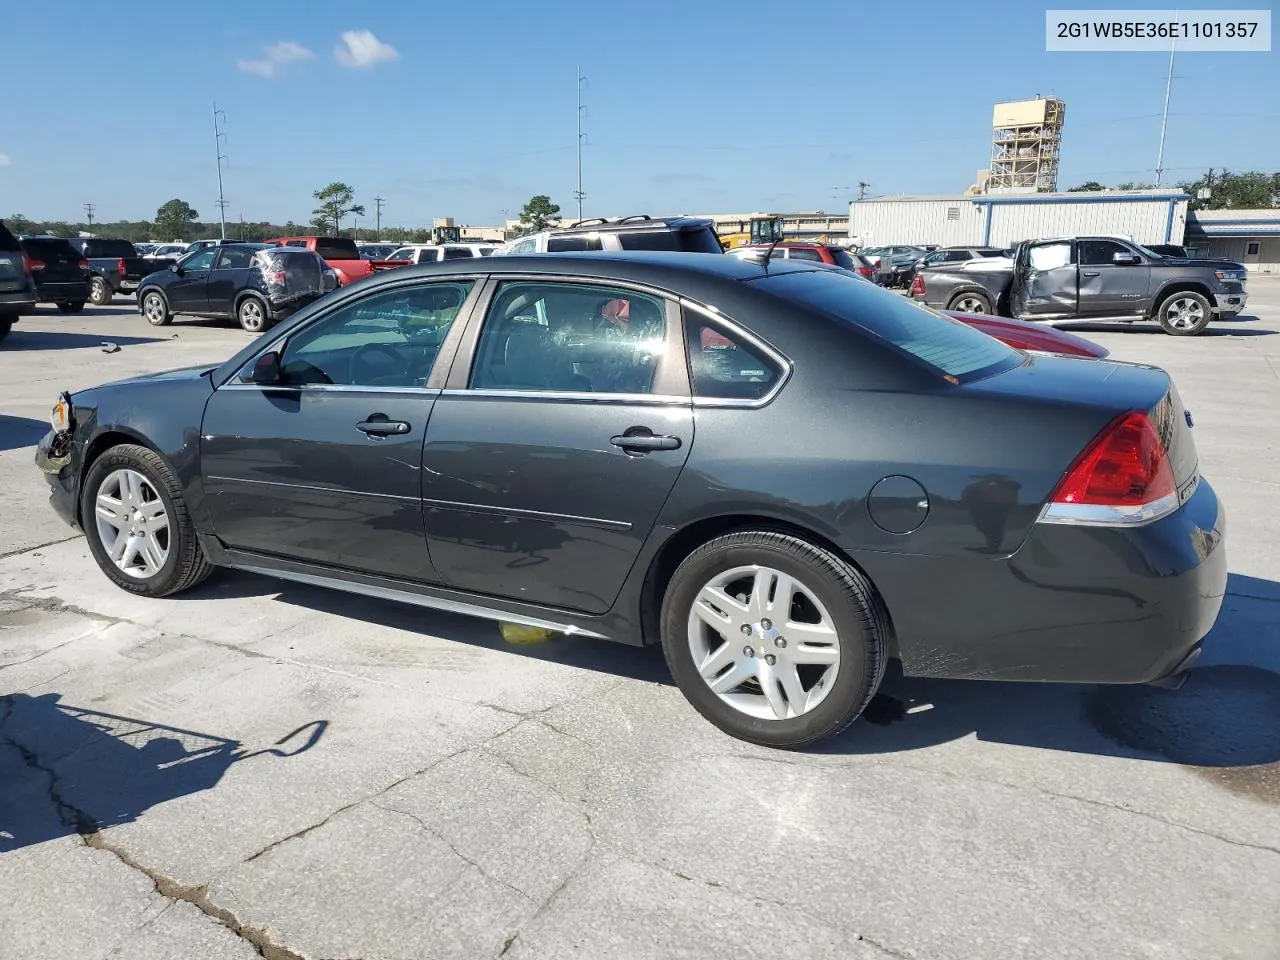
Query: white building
[1250, 236]
[1146, 216]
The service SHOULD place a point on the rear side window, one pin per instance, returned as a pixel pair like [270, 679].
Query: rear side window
[336, 248]
[52, 251]
[800, 253]
[682, 241]
[944, 344]
[486, 251]
[104, 249]
[841, 258]
[572, 244]
[723, 366]
[457, 253]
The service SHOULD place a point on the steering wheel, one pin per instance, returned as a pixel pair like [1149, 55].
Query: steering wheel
[379, 372]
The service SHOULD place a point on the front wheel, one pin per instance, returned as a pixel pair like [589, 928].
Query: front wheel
[1185, 314]
[971, 303]
[156, 309]
[773, 639]
[100, 292]
[137, 525]
[71, 306]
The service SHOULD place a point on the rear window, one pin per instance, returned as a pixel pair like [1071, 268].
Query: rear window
[683, 241]
[104, 249]
[944, 344]
[51, 250]
[841, 258]
[336, 248]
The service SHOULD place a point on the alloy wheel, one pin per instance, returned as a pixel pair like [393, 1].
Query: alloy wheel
[1184, 313]
[132, 523]
[763, 642]
[153, 308]
[251, 315]
[970, 305]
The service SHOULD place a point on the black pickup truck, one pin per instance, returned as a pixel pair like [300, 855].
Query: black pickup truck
[1091, 279]
[116, 266]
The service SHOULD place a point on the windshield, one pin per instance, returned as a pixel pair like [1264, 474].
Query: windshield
[946, 345]
[841, 258]
[336, 248]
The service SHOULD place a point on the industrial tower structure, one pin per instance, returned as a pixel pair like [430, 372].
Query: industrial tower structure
[1026, 136]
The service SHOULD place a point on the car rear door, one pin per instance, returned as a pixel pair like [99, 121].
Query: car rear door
[1111, 287]
[1045, 280]
[564, 424]
[228, 277]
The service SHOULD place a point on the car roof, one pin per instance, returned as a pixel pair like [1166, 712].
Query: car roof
[634, 224]
[641, 266]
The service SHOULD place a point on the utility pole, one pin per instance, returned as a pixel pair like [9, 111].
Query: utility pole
[88, 210]
[218, 138]
[1164, 119]
[862, 189]
[241, 224]
[378, 216]
[578, 194]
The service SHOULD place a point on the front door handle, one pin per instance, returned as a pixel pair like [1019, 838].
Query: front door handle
[379, 426]
[1090, 273]
[643, 443]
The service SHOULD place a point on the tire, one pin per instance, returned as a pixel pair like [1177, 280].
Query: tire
[74, 306]
[970, 302]
[253, 314]
[5, 327]
[173, 560]
[842, 674]
[100, 292]
[155, 309]
[1184, 314]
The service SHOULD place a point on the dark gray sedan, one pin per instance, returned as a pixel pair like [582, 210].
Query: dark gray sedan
[782, 474]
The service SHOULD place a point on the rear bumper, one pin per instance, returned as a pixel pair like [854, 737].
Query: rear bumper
[53, 458]
[1073, 605]
[17, 302]
[64, 291]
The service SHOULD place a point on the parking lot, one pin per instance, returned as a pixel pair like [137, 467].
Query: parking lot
[285, 772]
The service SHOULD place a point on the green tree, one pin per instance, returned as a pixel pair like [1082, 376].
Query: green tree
[1234, 191]
[1089, 186]
[335, 203]
[1130, 185]
[20, 224]
[175, 220]
[538, 214]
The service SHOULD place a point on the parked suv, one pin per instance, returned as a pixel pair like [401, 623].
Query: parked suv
[681, 234]
[17, 289]
[61, 275]
[433, 253]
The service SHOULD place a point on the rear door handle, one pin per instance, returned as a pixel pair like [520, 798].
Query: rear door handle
[1090, 273]
[645, 443]
[379, 426]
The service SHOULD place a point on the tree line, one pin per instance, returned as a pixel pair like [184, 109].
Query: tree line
[1220, 190]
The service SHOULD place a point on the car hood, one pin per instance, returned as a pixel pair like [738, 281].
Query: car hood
[1193, 262]
[182, 373]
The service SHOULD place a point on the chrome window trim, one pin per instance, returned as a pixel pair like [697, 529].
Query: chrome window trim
[735, 329]
[331, 388]
[655, 399]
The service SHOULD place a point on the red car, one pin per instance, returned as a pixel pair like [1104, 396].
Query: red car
[341, 254]
[814, 253]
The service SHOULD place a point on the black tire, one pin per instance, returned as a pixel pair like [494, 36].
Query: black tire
[100, 292]
[74, 306]
[185, 565]
[155, 309]
[970, 301]
[1184, 314]
[5, 327]
[253, 314]
[858, 616]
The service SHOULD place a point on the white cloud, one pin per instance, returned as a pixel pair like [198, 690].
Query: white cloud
[277, 54]
[361, 49]
[4, 160]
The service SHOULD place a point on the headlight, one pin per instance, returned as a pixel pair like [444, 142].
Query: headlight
[1227, 275]
[60, 416]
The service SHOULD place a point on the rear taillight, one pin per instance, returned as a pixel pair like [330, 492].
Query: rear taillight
[917, 286]
[120, 266]
[866, 271]
[34, 265]
[1123, 478]
[82, 264]
[277, 278]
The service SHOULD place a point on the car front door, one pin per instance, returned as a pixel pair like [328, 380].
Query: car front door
[188, 292]
[1045, 282]
[1114, 279]
[324, 464]
[228, 277]
[563, 427]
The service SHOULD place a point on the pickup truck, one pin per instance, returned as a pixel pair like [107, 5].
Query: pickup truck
[341, 254]
[115, 265]
[1091, 279]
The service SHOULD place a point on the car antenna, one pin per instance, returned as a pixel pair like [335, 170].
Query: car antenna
[768, 254]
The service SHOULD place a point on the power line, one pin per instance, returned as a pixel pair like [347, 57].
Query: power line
[218, 138]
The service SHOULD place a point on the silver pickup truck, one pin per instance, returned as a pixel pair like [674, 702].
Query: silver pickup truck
[1091, 279]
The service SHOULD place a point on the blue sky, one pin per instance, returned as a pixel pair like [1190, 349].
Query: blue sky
[467, 109]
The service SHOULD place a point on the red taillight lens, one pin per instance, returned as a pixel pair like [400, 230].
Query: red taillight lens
[277, 278]
[120, 266]
[917, 286]
[26, 263]
[33, 265]
[865, 271]
[1124, 476]
[83, 264]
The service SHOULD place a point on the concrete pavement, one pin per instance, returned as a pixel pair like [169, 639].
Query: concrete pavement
[265, 769]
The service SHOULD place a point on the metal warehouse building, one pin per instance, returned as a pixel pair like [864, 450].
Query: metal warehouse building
[1000, 219]
[1250, 236]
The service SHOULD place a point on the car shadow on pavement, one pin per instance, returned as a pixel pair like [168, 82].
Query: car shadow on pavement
[1225, 717]
[18, 432]
[45, 340]
[66, 770]
[623, 660]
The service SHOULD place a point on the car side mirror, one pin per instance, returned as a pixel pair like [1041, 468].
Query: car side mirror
[1125, 258]
[266, 369]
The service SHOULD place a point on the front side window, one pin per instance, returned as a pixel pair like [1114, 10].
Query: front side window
[1095, 253]
[570, 337]
[200, 261]
[1049, 256]
[387, 339]
[723, 366]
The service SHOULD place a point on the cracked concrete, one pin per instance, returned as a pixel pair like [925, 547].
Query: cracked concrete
[463, 798]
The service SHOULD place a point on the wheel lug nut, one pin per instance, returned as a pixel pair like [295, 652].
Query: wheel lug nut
[781, 641]
[770, 659]
[748, 651]
[766, 624]
[746, 629]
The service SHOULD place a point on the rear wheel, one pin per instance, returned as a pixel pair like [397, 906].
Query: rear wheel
[970, 303]
[774, 640]
[1185, 314]
[72, 306]
[156, 309]
[252, 314]
[100, 292]
[137, 524]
